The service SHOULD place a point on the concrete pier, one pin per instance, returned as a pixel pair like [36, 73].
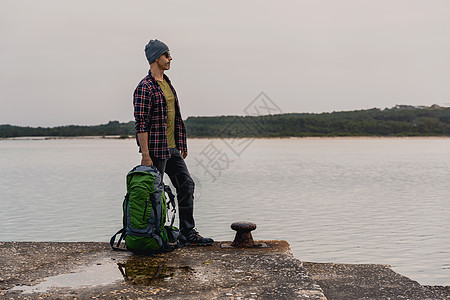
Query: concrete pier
[53, 270]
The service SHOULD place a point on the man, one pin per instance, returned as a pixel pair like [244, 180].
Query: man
[161, 135]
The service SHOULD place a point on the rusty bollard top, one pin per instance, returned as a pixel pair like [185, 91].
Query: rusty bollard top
[243, 226]
[243, 238]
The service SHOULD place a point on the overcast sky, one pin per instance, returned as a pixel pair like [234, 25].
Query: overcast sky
[78, 62]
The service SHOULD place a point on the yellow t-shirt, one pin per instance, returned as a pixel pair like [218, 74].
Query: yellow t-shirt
[170, 100]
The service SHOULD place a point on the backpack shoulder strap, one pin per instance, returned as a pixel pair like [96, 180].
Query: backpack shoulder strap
[171, 202]
[113, 239]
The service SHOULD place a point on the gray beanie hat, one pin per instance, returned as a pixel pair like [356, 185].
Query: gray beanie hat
[155, 49]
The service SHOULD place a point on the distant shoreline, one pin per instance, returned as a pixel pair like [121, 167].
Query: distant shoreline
[42, 138]
[400, 121]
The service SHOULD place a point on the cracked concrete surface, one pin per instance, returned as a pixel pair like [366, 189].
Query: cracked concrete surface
[60, 270]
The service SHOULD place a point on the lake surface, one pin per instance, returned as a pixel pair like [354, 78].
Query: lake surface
[344, 200]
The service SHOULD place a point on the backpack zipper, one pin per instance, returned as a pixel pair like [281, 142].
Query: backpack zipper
[145, 210]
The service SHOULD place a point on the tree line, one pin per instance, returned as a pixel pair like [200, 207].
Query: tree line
[398, 121]
[402, 120]
[113, 128]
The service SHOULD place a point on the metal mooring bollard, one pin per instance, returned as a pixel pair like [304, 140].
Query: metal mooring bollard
[243, 238]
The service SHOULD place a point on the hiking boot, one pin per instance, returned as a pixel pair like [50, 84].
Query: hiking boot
[194, 238]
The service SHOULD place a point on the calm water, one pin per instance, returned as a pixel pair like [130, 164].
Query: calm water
[335, 200]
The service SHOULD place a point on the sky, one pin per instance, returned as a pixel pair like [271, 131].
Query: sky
[78, 62]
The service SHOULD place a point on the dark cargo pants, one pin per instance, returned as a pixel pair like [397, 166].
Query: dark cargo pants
[176, 169]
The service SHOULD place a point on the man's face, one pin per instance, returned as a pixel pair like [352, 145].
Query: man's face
[164, 61]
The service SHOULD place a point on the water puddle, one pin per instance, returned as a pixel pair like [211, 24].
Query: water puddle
[102, 273]
[136, 270]
[147, 272]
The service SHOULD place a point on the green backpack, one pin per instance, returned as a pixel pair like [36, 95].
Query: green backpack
[144, 214]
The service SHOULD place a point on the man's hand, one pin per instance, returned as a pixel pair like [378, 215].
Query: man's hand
[184, 154]
[146, 160]
[143, 141]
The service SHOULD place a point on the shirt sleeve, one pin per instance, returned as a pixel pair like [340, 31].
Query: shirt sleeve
[142, 107]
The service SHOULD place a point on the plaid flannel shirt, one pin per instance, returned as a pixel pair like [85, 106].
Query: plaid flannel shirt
[150, 113]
